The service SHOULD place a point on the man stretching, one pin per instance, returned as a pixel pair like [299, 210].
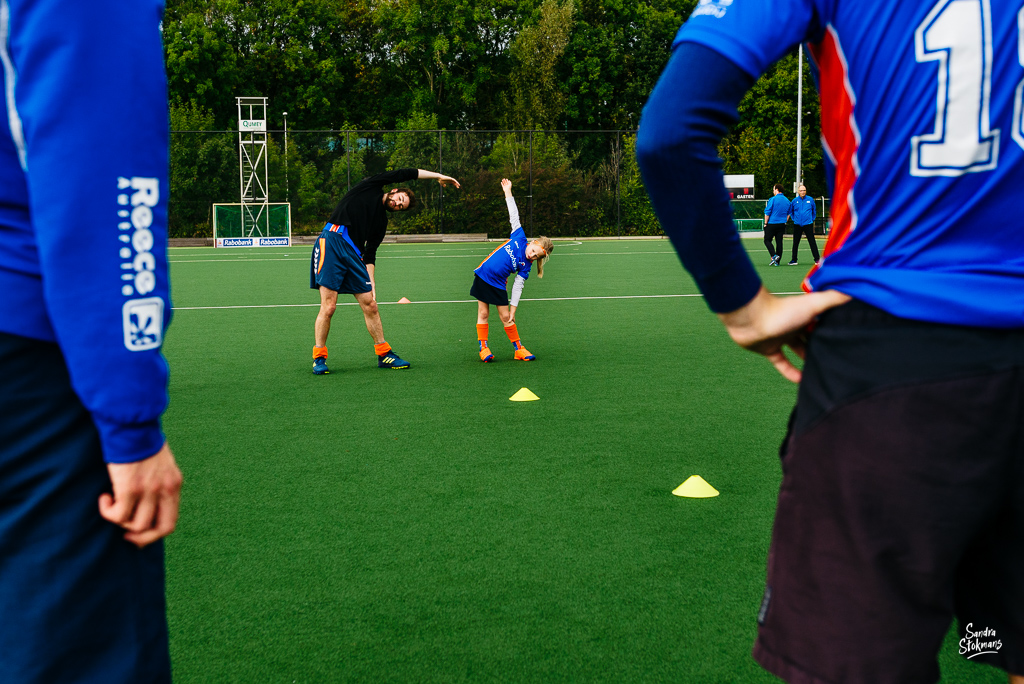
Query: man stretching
[346, 251]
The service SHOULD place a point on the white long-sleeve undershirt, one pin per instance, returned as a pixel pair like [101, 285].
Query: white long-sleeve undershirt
[513, 219]
[513, 212]
[517, 289]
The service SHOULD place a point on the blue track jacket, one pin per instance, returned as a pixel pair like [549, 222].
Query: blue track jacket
[803, 210]
[777, 209]
[83, 203]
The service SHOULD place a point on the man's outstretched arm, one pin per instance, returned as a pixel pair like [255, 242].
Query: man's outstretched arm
[441, 178]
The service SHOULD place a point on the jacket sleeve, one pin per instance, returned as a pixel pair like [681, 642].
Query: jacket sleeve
[687, 114]
[90, 95]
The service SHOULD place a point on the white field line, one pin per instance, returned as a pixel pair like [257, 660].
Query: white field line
[450, 301]
[242, 259]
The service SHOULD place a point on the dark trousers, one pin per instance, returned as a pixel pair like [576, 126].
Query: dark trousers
[77, 602]
[774, 232]
[901, 504]
[807, 230]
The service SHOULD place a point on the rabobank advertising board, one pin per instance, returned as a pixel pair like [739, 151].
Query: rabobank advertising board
[254, 242]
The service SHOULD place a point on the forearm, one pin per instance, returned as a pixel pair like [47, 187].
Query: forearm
[513, 212]
[687, 115]
[517, 291]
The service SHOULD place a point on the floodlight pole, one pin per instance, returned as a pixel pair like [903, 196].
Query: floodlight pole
[618, 202]
[531, 183]
[287, 194]
[799, 115]
[440, 169]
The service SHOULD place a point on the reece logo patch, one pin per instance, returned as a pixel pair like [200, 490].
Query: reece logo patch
[143, 323]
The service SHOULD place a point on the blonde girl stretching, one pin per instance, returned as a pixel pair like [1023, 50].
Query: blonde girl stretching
[516, 255]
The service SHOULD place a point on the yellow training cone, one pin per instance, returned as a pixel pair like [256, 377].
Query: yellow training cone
[524, 395]
[695, 487]
[404, 300]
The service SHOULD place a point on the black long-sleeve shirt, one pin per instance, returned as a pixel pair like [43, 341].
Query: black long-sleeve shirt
[362, 210]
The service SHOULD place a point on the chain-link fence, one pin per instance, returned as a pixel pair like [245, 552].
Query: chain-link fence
[566, 183]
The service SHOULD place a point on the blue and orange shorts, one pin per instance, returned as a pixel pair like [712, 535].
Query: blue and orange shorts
[336, 263]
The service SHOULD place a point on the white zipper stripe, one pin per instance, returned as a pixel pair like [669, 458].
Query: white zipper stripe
[13, 119]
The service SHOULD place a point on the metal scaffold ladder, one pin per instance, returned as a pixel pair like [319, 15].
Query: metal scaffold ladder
[252, 165]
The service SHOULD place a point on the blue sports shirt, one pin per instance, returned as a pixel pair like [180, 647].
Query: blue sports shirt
[510, 257]
[83, 203]
[925, 147]
[777, 209]
[802, 210]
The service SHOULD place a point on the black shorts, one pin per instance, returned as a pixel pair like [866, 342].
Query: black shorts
[902, 503]
[487, 293]
[336, 265]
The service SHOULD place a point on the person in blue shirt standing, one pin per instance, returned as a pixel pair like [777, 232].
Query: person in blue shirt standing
[776, 213]
[88, 484]
[516, 255]
[803, 213]
[900, 505]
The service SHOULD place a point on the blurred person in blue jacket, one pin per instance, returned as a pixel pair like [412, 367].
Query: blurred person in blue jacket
[88, 485]
[803, 212]
[776, 214]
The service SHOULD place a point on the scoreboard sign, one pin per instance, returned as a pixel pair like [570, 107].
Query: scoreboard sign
[740, 187]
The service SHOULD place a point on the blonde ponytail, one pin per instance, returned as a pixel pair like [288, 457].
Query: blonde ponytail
[548, 247]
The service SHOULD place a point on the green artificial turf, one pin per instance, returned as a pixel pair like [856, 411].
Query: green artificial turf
[417, 526]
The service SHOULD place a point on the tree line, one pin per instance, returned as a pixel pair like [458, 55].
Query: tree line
[342, 68]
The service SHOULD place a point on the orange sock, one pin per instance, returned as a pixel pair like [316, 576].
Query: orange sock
[319, 351]
[382, 348]
[513, 333]
[481, 332]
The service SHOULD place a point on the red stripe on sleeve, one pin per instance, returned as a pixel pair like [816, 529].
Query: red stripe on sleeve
[840, 136]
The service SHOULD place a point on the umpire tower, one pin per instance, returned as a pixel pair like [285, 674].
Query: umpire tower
[252, 165]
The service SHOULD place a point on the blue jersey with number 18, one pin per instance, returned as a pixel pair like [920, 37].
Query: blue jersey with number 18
[923, 127]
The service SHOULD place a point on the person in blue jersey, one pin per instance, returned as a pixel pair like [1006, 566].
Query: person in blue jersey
[776, 214]
[902, 467]
[88, 484]
[490, 280]
[345, 255]
[803, 213]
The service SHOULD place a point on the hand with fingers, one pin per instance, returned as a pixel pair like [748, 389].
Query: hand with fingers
[448, 180]
[767, 324]
[145, 499]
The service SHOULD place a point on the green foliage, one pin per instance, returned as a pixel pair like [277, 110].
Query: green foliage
[638, 216]
[410, 146]
[201, 166]
[202, 63]
[616, 53]
[535, 98]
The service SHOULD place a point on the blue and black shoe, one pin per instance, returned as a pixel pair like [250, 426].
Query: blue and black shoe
[391, 360]
[320, 366]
